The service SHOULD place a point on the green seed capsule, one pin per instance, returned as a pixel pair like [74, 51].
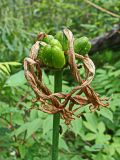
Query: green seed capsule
[40, 55]
[52, 56]
[48, 38]
[82, 45]
[62, 39]
[55, 42]
[46, 55]
[58, 58]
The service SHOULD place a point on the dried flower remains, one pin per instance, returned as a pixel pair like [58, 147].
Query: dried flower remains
[50, 102]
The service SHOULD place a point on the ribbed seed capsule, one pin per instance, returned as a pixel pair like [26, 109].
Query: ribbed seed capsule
[52, 56]
[48, 38]
[62, 39]
[82, 45]
[55, 42]
[58, 58]
[46, 55]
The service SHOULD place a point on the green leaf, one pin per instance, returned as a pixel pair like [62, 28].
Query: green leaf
[77, 125]
[4, 68]
[89, 137]
[96, 147]
[101, 127]
[33, 114]
[17, 118]
[63, 145]
[117, 132]
[76, 157]
[22, 151]
[13, 63]
[90, 127]
[45, 78]
[16, 79]
[33, 127]
[102, 138]
[106, 113]
[118, 149]
[20, 129]
[47, 124]
[92, 119]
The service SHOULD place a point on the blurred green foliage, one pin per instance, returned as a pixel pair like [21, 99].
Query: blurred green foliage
[27, 135]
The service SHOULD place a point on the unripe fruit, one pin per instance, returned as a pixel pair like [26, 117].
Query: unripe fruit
[55, 42]
[82, 45]
[39, 56]
[62, 39]
[48, 38]
[46, 55]
[52, 56]
[58, 58]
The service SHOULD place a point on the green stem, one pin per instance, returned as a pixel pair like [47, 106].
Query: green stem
[56, 117]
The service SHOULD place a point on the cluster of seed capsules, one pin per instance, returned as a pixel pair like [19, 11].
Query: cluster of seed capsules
[53, 49]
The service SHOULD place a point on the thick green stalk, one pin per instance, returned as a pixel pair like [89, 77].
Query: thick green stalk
[56, 117]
